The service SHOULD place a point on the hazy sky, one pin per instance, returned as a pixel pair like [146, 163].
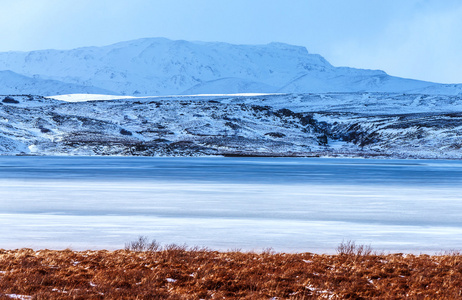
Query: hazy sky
[409, 38]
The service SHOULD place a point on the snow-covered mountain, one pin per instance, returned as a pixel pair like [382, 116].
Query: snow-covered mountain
[14, 83]
[158, 66]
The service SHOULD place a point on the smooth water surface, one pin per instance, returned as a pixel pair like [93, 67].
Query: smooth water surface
[289, 204]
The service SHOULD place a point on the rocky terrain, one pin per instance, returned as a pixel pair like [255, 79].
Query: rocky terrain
[332, 124]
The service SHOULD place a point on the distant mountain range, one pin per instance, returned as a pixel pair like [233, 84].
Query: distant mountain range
[158, 66]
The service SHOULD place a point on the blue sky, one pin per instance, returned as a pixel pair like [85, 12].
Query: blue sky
[419, 39]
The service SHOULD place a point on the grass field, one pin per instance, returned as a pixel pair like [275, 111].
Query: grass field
[148, 271]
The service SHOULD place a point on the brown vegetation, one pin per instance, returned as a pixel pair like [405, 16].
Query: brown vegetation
[148, 271]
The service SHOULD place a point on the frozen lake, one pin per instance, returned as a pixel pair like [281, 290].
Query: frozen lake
[289, 204]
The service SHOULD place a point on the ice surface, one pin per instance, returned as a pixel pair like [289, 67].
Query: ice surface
[224, 203]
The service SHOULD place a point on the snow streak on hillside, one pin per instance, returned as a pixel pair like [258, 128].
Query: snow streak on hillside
[157, 66]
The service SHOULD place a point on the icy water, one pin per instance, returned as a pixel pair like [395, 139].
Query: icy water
[289, 204]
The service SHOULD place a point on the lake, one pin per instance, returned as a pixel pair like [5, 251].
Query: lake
[288, 204]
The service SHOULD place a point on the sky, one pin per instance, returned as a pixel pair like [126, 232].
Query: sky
[419, 39]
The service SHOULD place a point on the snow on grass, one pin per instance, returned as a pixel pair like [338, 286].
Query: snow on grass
[16, 296]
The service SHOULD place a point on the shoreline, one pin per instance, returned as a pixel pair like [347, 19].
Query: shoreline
[250, 155]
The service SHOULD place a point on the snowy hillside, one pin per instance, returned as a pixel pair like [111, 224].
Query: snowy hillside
[333, 124]
[157, 66]
[13, 83]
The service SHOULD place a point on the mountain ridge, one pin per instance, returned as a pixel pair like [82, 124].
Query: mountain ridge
[159, 66]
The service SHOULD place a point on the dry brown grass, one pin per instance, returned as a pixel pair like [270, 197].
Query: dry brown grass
[176, 272]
